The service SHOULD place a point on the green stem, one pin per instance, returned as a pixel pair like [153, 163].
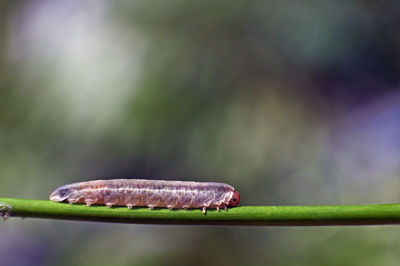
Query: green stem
[244, 215]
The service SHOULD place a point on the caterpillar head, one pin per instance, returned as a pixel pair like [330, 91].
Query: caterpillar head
[61, 194]
[235, 199]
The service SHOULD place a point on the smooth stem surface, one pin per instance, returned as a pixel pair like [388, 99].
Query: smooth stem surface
[244, 215]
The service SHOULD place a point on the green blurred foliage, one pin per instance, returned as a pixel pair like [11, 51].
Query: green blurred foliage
[277, 98]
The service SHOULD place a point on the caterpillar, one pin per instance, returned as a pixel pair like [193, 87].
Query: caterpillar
[150, 193]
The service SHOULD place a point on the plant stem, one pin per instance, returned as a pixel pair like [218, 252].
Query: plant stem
[244, 215]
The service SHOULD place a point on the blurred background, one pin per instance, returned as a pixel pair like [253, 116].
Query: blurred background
[291, 103]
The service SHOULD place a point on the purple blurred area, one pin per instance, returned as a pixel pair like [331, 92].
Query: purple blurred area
[290, 102]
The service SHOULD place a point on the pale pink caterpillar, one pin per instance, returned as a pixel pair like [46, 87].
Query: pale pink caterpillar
[150, 193]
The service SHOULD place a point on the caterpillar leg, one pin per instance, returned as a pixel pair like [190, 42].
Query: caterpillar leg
[72, 201]
[89, 202]
[74, 198]
[218, 209]
[204, 209]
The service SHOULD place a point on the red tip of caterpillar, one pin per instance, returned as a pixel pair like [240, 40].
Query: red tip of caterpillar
[235, 199]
